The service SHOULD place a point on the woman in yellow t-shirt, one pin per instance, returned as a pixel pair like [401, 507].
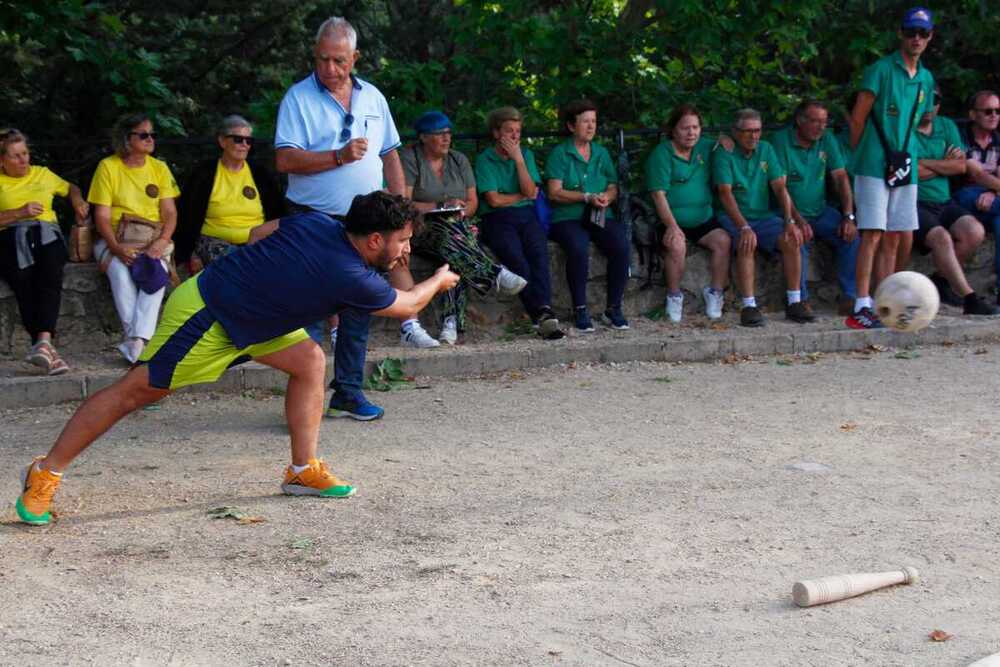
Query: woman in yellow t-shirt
[32, 248]
[134, 185]
[225, 199]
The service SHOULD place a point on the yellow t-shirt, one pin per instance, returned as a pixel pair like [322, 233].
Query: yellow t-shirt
[38, 185]
[132, 190]
[234, 206]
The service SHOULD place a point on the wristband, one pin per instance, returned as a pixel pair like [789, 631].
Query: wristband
[337, 158]
[851, 217]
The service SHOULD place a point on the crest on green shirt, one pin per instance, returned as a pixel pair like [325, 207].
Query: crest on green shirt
[822, 156]
[893, 110]
[763, 166]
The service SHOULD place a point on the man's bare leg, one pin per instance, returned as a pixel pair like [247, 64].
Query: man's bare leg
[868, 248]
[305, 364]
[99, 413]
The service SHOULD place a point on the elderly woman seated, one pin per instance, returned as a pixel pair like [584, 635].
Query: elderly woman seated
[32, 248]
[582, 185]
[507, 179]
[133, 197]
[226, 199]
[441, 184]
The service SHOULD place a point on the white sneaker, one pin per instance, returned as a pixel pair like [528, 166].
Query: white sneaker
[713, 303]
[131, 349]
[675, 308]
[449, 330]
[415, 336]
[509, 283]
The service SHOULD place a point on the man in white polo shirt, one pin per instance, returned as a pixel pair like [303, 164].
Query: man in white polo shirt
[336, 139]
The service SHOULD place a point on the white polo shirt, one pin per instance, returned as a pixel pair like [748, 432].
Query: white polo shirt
[311, 118]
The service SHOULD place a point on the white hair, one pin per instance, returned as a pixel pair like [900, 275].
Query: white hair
[337, 27]
[232, 122]
[745, 114]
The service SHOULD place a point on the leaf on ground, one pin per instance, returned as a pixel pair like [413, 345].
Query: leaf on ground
[301, 543]
[388, 375]
[982, 350]
[656, 314]
[947, 343]
[241, 516]
[907, 354]
[666, 379]
[877, 348]
[718, 326]
[939, 636]
[784, 362]
[849, 426]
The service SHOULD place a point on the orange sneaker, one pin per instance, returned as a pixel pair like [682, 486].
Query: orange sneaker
[38, 487]
[316, 480]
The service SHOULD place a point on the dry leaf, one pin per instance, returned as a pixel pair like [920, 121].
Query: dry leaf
[877, 348]
[947, 343]
[849, 426]
[982, 350]
[939, 636]
[250, 519]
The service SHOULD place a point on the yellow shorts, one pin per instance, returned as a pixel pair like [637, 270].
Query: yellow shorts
[191, 347]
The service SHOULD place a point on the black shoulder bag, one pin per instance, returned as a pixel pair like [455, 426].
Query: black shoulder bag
[898, 164]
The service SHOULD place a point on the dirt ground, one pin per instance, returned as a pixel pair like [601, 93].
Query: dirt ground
[636, 514]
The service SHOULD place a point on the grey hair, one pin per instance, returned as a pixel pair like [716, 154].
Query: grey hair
[745, 114]
[337, 26]
[230, 123]
[123, 128]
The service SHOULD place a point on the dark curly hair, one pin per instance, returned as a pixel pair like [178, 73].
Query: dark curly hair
[380, 212]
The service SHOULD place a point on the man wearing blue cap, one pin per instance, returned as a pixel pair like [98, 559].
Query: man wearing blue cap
[895, 92]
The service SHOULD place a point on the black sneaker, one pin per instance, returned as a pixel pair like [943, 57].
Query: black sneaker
[948, 295]
[864, 319]
[751, 316]
[799, 312]
[548, 326]
[978, 306]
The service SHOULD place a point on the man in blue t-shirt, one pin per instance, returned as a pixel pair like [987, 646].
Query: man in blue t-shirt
[252, 304]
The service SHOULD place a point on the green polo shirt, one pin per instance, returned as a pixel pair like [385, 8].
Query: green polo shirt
[496, 174]
[944, 134]
[687, 184]
[567, 165]
[895, 95]
[750, 176]
[807, 168]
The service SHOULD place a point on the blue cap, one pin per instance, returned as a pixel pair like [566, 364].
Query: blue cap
[918, 17]
[148, 274]
[432, 122]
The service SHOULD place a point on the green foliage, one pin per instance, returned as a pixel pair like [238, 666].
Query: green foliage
[388, 375]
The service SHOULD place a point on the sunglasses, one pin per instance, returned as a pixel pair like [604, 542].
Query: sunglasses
[345, 134]
[144, 136]
[992, 111]
[240, 139]
[910, 33]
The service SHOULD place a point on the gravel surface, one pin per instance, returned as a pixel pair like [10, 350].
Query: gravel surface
[636, 514]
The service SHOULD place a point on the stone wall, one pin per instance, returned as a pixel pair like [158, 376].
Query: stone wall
[88, 322]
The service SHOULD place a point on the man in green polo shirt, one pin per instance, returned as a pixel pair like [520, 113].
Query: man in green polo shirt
[808, 153]
[744, 179]
[947, 231]
[894, 90]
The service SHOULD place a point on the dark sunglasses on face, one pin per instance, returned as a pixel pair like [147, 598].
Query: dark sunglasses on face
[143, 135]
[992, 111]
[345, 134]
[240, 139]
[910, 33]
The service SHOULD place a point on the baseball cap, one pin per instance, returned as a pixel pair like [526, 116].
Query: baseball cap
[432, 122]
[918, 17]
[148, 274]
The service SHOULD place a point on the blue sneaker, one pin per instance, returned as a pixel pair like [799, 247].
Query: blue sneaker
[613, 318]
[358, 408]
[582, 320]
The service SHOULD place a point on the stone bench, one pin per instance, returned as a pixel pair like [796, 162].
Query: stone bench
[88, 321]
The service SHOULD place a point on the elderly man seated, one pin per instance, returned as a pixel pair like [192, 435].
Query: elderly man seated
[743, 179]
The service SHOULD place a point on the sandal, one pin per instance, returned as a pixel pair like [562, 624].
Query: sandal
[58, 366]
[42, 354]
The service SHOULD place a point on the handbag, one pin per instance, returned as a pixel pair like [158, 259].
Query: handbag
[543, 211]
[81, 241]
[898, 164]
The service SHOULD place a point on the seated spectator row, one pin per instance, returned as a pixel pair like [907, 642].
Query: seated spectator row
[732, 195]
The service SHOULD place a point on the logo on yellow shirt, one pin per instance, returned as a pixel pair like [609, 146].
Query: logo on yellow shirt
[249, 192]
[152, 191]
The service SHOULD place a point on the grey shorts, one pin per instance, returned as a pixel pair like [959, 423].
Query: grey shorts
[883, 208]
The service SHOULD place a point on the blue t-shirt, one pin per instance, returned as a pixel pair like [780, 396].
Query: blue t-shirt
[304, 272]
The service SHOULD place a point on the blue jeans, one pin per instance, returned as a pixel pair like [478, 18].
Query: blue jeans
[966, 198]
[574, 237]
[516, 238]
[351, 351]
[767, 230]
[825, 227]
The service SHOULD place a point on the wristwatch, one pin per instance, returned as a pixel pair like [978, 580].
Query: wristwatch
[853, 218]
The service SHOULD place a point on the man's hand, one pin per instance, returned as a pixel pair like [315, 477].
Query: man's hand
[511, 148]
[748, 240]
[848, 229]
[671, 233]
[353, 150]
[985, 200]
[261, 232]
[446, 278]
[31, 209]
[954, 153]
[794, 232]
[806, 229]
[600, 200]
[726, 142]
[82, 209]
[125, 255]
